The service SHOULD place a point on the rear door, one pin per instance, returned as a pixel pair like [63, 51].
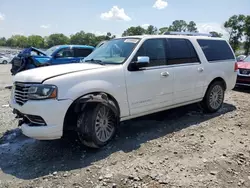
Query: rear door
[188, 71]
[81, 53]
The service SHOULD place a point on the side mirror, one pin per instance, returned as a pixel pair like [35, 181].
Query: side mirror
[142, 61]
[58, 56]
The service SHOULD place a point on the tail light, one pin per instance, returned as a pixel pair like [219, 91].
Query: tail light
[236, 67]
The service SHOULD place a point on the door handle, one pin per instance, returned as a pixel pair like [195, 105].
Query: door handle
[200, 69]
[164, 74]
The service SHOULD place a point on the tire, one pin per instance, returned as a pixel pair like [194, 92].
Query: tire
[95, 127]
[214, 97]
[5, 62]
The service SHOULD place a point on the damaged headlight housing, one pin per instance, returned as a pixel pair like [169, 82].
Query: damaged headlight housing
[42, 91]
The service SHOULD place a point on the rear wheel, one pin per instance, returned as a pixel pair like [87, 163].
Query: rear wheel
[97, 125]
[214, 97]
[5, 62]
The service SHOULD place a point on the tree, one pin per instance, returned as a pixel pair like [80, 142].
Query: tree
[216, 34]
[57, 39]
[178, 25]
[36, 41]
[2, 41]
[247, 34]
[151, 30]
[134, 31]
[182, 26]
[235, 28]
[191, 27]
[163, 30]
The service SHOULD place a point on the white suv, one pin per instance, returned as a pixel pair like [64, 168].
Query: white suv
[124, 78]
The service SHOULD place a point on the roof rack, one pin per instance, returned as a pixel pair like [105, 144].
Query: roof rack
[187, 33]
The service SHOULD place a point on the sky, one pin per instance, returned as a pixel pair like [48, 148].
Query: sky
[45, 17]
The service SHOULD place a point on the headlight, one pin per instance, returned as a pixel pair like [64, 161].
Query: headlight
[42, 91]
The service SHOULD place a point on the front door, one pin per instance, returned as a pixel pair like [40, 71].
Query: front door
[188, 70]
[152, 87]
[64, 56]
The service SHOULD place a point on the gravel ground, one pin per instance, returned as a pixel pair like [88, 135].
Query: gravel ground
[177, 148]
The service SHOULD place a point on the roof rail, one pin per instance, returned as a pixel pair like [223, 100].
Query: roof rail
[187, 33]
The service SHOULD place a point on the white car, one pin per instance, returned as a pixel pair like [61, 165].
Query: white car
[4, 60]
[124, 78]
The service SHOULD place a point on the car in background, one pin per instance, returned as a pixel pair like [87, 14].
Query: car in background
[241, 57]
[4, 60]
[32, 57]
[243, 76]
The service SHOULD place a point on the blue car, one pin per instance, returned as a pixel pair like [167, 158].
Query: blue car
[32, 57]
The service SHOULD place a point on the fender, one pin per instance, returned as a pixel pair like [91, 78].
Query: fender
[102, 98]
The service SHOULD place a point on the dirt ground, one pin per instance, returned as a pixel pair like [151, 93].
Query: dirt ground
[177, 148]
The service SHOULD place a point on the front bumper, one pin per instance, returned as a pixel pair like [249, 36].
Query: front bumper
[51, 111]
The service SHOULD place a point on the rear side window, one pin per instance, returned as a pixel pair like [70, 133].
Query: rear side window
[216, 50]
[82, 52]
[180, 51]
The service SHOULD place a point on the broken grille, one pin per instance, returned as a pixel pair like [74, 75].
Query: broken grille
[21, 93]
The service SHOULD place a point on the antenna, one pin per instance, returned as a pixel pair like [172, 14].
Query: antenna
[187, 33]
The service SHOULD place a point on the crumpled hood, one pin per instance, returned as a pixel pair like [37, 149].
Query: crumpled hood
[243, 65]
[38, 75]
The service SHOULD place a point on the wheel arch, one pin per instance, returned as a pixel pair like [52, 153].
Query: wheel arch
[218, 79]
[81, 103]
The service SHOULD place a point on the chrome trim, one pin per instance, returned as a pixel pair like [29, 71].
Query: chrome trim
[21, 92]
[240, 84]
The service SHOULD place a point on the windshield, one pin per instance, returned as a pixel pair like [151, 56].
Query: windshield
[51, 50]
[247, 59]
[115, 51]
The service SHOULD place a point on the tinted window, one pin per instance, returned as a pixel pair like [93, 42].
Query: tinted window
[216, 50]
[181, 51]
[155, 50]
[81, 52]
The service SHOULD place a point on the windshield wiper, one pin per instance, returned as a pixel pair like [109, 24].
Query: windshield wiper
[95, 61]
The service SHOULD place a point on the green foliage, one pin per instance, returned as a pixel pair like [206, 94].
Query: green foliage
[235, 27]
[57, 39]
[238, 27]
[216, 34]
[134, 31]
[182, 26]
[247, 34]
[36, 41]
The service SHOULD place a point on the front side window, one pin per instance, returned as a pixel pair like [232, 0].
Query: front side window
[180, 51]
[216, 50]
[114, 51]
[64, 53]
[155, 50]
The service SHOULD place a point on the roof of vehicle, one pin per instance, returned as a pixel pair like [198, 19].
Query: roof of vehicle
[173, 36]
[75, 45]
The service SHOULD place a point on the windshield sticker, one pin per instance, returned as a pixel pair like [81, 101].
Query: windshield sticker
[131, 40]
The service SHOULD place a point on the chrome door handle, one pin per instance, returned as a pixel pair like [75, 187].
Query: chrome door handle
[200, 69]
[164, 74]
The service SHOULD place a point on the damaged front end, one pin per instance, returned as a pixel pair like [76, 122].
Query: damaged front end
[29, 58]
[31, 120]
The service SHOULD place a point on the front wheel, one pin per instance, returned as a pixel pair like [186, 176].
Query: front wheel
[96, 125]
[5, 62]
[214, 97]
